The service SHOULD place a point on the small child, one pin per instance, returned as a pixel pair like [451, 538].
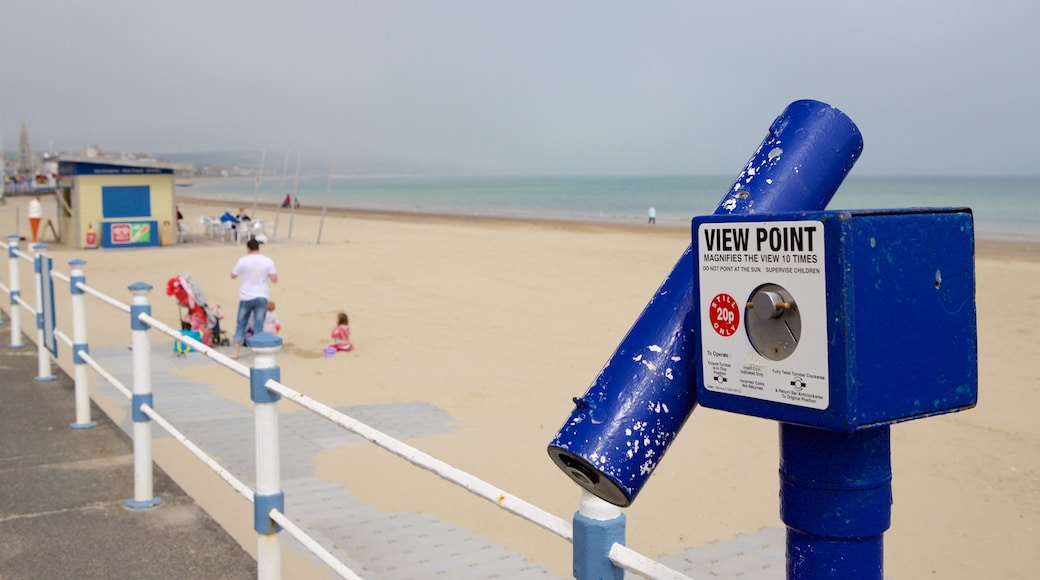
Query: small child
[341, 333]
[271, 325]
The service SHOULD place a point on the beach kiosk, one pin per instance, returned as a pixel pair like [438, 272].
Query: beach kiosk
[115, 204]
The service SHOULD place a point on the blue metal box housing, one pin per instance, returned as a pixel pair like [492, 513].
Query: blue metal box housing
[899, 315]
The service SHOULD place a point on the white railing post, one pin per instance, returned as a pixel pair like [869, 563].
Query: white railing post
[269, 494]
[598, 525]
[16, 317]
[142, 395]
[44, 373]
[80, 375]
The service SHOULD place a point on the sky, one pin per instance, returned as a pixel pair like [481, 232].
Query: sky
[565, 87]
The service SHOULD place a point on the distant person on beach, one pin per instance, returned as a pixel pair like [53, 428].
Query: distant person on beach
[341, 333]
[287, 201]
[35, 215]
[255, 271]
[229, 222]
[227, 217]
[652, 213]
[243, 224]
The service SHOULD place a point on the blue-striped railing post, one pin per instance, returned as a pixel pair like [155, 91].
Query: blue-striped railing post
[142, 395]
[269, 494]
[12, 286]
[80, 376]
[598, 525]
[44, 373]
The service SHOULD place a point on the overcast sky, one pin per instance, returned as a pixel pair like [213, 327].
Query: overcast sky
[534, 86]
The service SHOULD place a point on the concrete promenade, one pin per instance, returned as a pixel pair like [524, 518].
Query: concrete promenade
[62, 492]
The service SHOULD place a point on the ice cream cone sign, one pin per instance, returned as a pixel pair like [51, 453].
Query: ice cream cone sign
[35, 214]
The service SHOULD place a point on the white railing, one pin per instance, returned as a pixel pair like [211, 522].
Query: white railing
[598, 555]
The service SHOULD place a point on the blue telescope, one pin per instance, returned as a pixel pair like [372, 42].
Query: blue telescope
[622, 426]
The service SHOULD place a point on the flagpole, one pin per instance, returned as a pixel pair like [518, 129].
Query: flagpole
[281, 190]
[328, 191]
[256, 188]
[296, 181]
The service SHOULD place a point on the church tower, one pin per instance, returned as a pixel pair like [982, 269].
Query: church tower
[24, 153]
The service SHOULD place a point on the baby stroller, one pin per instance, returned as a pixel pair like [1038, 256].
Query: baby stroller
[199, 316]
[220, 338]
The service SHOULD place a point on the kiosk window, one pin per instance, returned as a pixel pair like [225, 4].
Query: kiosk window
[123, 201]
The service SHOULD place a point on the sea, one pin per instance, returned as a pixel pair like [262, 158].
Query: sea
[1004, 208]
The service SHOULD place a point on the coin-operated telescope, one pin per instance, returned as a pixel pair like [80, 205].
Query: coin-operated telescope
[836, 324]
[622, 426]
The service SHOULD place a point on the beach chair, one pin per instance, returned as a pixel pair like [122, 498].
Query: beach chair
[257, 231]
[228, 231]
[206, 224]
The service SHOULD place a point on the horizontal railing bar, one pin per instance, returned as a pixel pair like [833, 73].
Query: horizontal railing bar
[224, 474]
[21, 302]
[504, 500]
[632, 561]
[128, 393]
[61, 336]
[313, 546]
[197, 345]
[103, 297]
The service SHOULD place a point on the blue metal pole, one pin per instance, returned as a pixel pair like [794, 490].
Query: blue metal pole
[836, 500]
[622, 426]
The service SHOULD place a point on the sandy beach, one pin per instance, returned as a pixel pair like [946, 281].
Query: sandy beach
[500, 322]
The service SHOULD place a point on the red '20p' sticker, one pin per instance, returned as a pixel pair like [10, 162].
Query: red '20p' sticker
[724, 314]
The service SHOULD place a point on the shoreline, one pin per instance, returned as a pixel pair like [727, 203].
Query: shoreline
[986, 248]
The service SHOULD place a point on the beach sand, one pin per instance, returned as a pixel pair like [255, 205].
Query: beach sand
[500, 322]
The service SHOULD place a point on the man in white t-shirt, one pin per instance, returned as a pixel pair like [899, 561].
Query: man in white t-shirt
[255, 272]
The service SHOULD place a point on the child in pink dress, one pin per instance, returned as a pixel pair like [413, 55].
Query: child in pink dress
[341, 333]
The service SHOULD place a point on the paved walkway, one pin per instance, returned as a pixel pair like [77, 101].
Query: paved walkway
[62, 492]
[374, 543]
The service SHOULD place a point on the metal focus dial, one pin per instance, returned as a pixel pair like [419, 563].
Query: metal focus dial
[773, 322]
